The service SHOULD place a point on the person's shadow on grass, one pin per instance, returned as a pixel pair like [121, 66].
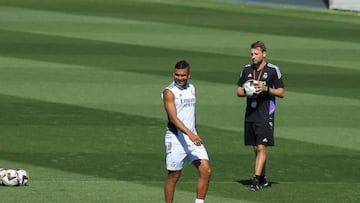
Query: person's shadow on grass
[248, 182]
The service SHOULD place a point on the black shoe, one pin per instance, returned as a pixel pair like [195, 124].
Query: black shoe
[264, 183]
[255, 186]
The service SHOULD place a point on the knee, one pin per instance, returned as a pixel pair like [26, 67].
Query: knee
[209, 171]
[174, 176]
[260, 148]
[206, 172]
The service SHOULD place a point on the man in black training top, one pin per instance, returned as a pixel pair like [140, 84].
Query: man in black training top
[260, 107]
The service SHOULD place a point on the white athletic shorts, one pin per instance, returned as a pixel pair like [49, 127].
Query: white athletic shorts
[178, 149]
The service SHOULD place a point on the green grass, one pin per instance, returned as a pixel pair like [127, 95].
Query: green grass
[80, 102]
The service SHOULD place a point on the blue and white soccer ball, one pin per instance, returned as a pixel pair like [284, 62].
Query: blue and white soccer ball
[10, 178]
[22, 177]
[250, 87]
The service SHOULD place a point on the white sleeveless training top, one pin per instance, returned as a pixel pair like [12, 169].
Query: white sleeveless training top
[185, 107]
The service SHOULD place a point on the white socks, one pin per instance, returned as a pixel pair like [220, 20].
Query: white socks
[199, 201]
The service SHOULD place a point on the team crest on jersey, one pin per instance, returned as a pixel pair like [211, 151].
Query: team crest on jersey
[265, 75]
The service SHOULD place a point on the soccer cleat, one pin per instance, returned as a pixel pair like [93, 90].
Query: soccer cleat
[264, 183]
[255, 186]
[259, 184]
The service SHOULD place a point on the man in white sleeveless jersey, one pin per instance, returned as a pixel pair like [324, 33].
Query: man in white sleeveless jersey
[181, 139]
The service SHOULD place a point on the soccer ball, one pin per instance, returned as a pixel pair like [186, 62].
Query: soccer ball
[22, 177]
[10, 178]
[250, 88]
[2, 174]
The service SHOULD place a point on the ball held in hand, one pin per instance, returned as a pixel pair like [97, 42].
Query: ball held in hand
[250, 87]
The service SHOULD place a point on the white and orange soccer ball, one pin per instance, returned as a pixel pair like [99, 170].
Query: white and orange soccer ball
[2, 174]
[250, 87]
[10, 178]
[22, 177]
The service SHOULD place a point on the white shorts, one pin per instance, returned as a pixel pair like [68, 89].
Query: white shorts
[177, 152]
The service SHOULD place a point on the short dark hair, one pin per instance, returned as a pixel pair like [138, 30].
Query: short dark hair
[182, 65]
[259, 44]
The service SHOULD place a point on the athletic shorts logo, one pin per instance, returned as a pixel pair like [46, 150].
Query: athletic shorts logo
[265, 140]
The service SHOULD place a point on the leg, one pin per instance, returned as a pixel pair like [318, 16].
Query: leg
[204, 169]
[169, 188]
[264, 169]
[259, 180]
[263, 134]
[260, 159]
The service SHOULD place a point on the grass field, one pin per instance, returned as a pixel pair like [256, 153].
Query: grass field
[80, 104]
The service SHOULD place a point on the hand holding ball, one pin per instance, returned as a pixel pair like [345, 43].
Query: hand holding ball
[250, 87]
